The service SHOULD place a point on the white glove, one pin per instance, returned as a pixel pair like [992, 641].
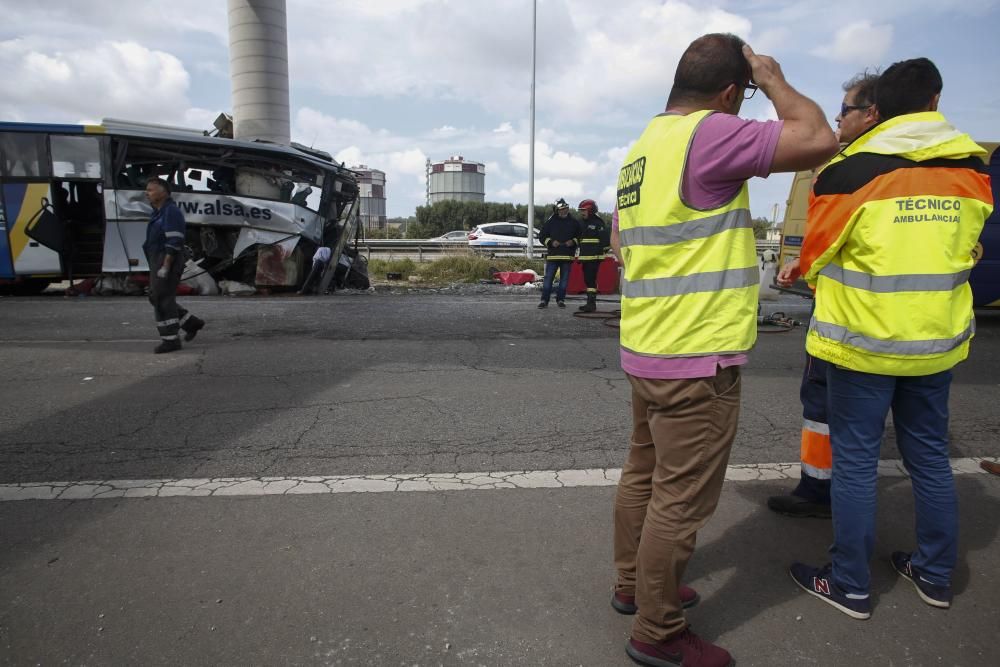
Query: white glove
[162, 273]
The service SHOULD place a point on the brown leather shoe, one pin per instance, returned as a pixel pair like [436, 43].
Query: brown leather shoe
[990, 466]
[682, 650]
[625, 604]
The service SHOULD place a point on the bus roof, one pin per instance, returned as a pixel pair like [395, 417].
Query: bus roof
[114, 127]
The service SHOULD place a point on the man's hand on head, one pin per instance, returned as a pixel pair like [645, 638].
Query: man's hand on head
[764, 70]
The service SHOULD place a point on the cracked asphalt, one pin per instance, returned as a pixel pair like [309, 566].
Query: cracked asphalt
[365, 384]
[416, 384]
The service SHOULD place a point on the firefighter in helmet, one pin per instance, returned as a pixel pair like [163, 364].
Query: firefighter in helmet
[595, 239]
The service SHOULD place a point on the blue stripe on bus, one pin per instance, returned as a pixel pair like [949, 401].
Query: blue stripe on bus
[42, 127]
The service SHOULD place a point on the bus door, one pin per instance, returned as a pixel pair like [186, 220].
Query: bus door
[26, 203]
[77, 173]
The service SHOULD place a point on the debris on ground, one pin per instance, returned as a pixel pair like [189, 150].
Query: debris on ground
[234, 288]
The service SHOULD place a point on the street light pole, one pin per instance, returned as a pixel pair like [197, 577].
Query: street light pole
[531, 149]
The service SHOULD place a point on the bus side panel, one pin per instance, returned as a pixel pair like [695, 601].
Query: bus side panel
[123, 239]
[24, 203]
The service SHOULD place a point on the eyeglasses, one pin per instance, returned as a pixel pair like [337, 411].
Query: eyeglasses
[748, 90]
[845, 108]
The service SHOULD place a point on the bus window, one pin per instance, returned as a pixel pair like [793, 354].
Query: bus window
[75, 157]
[24, 155]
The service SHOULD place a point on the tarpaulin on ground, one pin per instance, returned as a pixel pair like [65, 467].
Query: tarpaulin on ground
[515, 277]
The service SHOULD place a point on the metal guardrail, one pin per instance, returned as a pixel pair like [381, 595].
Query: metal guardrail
[431, 248]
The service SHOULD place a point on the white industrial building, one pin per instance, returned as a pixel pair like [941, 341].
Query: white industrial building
[456, 179]
[371, 186]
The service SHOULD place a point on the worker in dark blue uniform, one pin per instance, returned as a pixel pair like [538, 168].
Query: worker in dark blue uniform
[560, 235]
[164, 248]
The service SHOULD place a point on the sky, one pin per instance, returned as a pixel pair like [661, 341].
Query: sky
[391, 83]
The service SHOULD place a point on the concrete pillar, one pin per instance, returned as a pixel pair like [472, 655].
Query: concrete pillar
[258, 66]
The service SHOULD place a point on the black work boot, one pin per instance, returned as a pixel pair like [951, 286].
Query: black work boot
[167, 346]
[591, 304]
[798, 507]
[192, 327]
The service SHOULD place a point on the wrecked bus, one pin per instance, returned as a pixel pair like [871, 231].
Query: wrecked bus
[72, 203]
[985, 277]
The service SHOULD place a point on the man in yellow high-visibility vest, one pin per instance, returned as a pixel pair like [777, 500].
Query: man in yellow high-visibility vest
[689, 317]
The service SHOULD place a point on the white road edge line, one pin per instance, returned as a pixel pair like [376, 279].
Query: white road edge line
[462, 481]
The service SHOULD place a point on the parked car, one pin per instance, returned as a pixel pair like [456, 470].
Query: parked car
[498, 235]
[458, 235]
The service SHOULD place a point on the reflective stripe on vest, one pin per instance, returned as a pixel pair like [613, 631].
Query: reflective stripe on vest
[917, 282]
[711, 281]
[687, 231]
[690, 280]
[841, 334]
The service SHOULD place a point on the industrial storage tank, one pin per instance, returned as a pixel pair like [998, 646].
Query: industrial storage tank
[371, 187]
[456, 179]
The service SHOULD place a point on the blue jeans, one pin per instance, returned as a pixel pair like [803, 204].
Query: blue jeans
[550, 273]
[858, 405]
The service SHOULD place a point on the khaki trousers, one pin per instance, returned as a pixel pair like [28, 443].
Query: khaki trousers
[682, 433]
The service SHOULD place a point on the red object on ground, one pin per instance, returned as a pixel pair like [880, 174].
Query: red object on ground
[185, 290]
[514, 277]
[607, 277]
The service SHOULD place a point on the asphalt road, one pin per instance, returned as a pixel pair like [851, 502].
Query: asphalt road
[357, 384]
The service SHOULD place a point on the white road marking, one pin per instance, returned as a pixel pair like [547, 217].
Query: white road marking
[462, 481]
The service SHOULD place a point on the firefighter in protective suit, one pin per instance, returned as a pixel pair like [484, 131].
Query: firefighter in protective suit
[595, 239]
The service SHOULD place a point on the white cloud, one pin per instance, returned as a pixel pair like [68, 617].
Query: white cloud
[546, 189]
[504, 128]
[549, 163]
[400, 167]
[110, 79]
[606, 200]
[858, 43]
[444, 50]
[445, 132]
[494, 170]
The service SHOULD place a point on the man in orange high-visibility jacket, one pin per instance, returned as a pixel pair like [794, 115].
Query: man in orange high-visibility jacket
[811, 498]
[894, 220]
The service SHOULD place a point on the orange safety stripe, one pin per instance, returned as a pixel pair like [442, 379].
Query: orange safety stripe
[816, 450]
[829, 214]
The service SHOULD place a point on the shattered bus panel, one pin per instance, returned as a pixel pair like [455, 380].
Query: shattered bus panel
[73, 202]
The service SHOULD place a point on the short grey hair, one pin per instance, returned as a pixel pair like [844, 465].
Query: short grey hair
[864, 85]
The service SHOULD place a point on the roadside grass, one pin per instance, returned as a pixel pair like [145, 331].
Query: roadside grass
[457, 268]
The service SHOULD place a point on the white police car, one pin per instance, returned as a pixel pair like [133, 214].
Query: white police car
[495, 236]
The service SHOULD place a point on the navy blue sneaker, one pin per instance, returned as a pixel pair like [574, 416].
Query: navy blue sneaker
[932, 594]
[818, 582]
